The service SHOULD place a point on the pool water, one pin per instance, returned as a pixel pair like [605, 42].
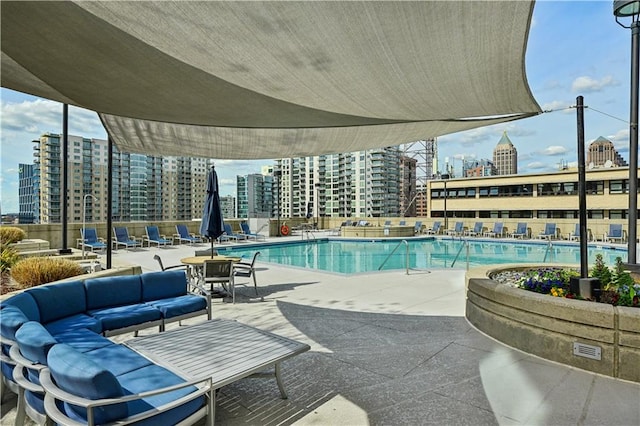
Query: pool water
[350, 256]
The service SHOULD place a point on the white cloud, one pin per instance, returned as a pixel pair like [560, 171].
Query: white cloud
[586, 84]
[552, 106]
[537, 165]
[554, 150]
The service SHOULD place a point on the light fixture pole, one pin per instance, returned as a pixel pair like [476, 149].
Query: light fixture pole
[84, 218]
[623, 9]
[444, 178]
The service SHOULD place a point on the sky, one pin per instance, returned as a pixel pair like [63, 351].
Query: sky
[575, 48]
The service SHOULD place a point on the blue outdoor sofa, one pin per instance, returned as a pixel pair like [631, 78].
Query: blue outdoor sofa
[67, 371]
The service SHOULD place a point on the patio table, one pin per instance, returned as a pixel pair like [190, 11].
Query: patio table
[224, 350]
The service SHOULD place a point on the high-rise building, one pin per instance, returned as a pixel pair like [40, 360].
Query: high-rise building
[145, 188]
[602, 153]
[254, 195]
[409, 195]
[505, 156]
[26, 193]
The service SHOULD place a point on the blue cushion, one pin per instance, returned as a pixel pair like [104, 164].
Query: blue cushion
[113, 291]
[181, 305]
[7, 370]
[35, 342]
[162, 285]
[35, 400]
[74, 322]
[26, 304]
[76, 373]
[83, 340]
[118, 359]
[59, 300]
[11, 319]
[156, 377]
[125, 316]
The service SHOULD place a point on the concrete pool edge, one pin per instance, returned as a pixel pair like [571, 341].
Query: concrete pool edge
[549, 327]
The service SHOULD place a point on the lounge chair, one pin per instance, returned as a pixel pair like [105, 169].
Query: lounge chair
[153, 236]
[121, 238]
[477, 230]
[575, 235]
[402, 223]
[90, 239]
[521, 231]
[498, 228]
[458, 229]
[387, 224]
[615, 233]
[417, 228]
[229, 234]
[435, 229]
[549, 231]
[247, 231]
[184, 235]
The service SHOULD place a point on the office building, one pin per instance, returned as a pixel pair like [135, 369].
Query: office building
[505, 156]
[602, 153]
[27, 186]
[228, 207]
[478, 168]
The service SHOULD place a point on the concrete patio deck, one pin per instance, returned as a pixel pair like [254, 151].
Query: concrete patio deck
[391, 348]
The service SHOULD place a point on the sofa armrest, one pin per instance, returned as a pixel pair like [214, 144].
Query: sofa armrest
[53, 393]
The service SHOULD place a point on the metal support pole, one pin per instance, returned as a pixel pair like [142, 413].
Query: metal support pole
[109, 206]
[446, 220]
[65, 181]
[633, 144]
[582, 190]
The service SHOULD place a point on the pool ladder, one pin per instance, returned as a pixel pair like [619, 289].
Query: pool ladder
[394, 250]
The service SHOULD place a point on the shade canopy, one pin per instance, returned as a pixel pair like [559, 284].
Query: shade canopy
[273, 79]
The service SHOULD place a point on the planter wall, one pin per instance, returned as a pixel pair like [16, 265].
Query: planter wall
[549, 326]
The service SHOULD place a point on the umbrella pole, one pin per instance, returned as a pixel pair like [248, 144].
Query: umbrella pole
[211, 247]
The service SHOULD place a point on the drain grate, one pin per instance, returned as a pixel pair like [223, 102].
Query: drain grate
[587, 351]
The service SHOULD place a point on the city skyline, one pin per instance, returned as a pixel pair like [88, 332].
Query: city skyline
[561, 64]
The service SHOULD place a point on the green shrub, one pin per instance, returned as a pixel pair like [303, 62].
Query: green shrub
[34, 271]
[11, 234]
[601, 271]
[8, 258]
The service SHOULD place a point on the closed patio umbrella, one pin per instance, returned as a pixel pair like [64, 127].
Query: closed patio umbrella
[212, 225]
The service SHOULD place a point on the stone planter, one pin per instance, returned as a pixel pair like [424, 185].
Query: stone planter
[592, 336]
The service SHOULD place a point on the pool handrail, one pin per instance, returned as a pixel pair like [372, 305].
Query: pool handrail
[393, 251]
[465, 243]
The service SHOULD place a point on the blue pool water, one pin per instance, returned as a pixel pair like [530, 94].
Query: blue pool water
[350, 256]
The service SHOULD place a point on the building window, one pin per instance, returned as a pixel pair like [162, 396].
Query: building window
[595, 214]
[595, 187]
[617, 214]
[619, 186]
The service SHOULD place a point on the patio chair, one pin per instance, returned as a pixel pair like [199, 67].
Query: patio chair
[498, 228]
[615, 233]
[575, 235]
[90, 239]
[218, 272]
[246, 270]
[477, 230]
[153, 236]
[402, 223]
[458, 229]
[121, 238]
[549, 231]
[521, 231]
[184, 235]
[166, 268]
[435, 229]
[246, 230]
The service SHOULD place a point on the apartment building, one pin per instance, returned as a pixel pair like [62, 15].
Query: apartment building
[255, 196]
[145, 188]
[27, 183]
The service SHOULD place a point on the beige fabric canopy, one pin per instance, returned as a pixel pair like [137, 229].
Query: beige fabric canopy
[273, 79]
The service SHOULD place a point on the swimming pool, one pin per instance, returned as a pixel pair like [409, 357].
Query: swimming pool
[356, 256]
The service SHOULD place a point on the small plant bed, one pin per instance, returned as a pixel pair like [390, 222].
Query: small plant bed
[617, 286]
